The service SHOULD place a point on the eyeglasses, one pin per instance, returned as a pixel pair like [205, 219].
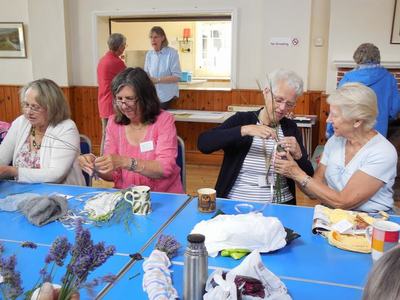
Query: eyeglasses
[288, 104]
[128, 101]
[33, 107]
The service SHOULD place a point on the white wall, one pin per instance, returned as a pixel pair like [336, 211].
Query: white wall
[49, 47]
[64, 37]
[16, 70]
[286, 19]
[353, 22]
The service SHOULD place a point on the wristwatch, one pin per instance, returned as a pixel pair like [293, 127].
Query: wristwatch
[133, 166]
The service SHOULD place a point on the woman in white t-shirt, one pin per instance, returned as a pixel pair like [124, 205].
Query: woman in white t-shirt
[358, 166]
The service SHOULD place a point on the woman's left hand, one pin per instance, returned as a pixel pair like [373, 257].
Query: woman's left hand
[289, 143]
[108, 163]
[285, 165]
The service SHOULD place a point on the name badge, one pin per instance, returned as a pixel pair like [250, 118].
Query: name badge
[146, 146]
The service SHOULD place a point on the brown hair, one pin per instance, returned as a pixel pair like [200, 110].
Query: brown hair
[139, 81]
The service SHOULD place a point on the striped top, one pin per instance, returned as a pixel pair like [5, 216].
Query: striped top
[250, 184]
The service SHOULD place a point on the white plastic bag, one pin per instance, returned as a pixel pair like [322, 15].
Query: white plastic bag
[251, 266]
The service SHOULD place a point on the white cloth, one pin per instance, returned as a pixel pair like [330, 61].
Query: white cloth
[251, 266]
[101, 206]
[250, 231]
[377, 158]
[157, 282]
[58, 153]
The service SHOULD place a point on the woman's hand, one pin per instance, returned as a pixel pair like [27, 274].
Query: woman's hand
[289, 143]
[8, 171]
[110, 162]
[86, 162]
[261, 131]
[47, 292]
[286, 166]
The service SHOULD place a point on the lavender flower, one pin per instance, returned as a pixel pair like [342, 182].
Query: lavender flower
[46, 277]
[89, 286]
[28, 244]
[83, 243]
[11, 286]
[168, 244]
[58, 251]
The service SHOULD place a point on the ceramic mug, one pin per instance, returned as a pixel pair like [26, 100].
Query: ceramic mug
[383, 236]
[139, 197]
[206, 200]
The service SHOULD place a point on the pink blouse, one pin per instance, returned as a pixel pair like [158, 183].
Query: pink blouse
[162, 136]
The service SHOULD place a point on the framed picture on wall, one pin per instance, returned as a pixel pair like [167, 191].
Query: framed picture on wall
[12, 40]
[395, 37]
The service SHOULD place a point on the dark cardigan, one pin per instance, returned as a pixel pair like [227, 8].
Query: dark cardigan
[227, 137]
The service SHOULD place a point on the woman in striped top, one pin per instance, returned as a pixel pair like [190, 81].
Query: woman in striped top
[249, 140]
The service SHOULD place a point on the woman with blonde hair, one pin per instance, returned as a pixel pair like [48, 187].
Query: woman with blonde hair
[42, 143]
[358, 166]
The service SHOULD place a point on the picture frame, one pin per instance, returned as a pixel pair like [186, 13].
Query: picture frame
[12, 40]
[395, 35]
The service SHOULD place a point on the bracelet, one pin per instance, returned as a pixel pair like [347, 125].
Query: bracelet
[305, 182]
[134, 165]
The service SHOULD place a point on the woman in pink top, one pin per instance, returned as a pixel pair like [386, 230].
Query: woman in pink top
[141, 141]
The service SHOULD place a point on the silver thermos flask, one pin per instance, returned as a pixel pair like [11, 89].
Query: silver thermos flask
[195, 268]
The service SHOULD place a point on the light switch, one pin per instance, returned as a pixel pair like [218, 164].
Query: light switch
[319, 41]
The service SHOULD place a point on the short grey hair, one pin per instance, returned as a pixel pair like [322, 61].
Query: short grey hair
[290, 77]
[383, 280]
[356, 102]
[367, 53]
[49, 96]
[159, 31]
[115, 41]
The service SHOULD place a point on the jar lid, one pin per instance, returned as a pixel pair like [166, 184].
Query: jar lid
[196, 238]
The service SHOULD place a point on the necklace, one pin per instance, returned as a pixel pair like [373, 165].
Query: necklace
[138, 127]
[34, 144]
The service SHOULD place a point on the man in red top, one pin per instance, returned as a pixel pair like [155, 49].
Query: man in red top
[109, 65]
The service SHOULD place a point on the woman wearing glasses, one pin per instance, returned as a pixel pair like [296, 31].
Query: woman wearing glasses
[249, 141]
[141, 141]
[43, 143]
[358, 166]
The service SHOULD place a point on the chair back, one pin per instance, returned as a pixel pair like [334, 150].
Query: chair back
[181, 161]
[86, 147]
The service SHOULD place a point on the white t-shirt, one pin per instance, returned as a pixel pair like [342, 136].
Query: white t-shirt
[377, 158]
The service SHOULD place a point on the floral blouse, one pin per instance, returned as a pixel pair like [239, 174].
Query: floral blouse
[26, 158]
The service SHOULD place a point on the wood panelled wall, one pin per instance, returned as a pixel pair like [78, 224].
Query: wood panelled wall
[83, 103]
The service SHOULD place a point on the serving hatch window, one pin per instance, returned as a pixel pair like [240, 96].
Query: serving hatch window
[206, 52]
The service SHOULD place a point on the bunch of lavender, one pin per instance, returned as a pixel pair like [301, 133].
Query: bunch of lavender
[275, 125]
[10, 286]
[85, 258]
[168, 244]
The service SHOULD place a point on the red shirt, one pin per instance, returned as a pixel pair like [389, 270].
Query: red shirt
[109, 66]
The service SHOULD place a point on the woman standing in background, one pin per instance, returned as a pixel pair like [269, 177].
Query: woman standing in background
[163, 67]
